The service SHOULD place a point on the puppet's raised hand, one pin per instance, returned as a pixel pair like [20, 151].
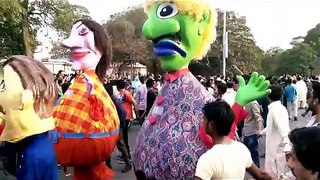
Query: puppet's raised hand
[256, 88]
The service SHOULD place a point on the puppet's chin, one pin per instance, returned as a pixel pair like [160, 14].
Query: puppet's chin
[76, 66]
[86, 63]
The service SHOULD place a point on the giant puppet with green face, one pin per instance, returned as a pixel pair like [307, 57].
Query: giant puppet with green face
[173, 137]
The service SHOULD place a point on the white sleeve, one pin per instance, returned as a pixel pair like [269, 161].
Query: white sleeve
[281, 120]
[205, 167]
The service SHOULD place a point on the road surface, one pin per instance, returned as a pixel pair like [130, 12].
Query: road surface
[302, 121]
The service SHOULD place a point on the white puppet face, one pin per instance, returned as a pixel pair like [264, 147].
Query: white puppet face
[85, 54]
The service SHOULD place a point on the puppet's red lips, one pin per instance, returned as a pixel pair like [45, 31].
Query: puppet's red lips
[79, 55]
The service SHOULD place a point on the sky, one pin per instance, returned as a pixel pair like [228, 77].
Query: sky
[272, 22]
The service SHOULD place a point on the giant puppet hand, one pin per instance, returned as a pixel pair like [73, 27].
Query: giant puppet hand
[256, 88]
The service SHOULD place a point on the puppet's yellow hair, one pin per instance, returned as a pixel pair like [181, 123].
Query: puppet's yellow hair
[195, 8]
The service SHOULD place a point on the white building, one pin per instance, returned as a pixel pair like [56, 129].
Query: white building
[56, 65]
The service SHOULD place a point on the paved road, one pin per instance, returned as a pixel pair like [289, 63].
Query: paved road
[302, 121]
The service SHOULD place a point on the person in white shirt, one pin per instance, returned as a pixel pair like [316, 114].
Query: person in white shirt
[277, 130]
[302, 91]
[141, 98]
[227, 159]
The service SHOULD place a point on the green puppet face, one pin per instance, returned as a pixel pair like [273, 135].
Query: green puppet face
[176, 36]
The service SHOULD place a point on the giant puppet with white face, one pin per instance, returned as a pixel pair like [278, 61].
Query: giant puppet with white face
[86, 119]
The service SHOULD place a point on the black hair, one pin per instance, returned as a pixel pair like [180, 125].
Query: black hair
[316, 90]
[230, 84]
[121, 84]
[222, 88]
[208, 84]
[108, 87]
[65, 87]
[221, 115]
[142, 79]
[150, 83]
[276, 92]
[306, 145]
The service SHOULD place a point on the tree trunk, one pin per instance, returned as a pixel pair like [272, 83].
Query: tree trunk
[26, 30]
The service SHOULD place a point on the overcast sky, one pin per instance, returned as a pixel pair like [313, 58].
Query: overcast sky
[273, 22]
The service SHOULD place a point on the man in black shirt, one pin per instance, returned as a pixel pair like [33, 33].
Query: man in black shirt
[151, 95]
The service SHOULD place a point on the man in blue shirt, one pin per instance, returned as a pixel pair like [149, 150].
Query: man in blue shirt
[290, 92]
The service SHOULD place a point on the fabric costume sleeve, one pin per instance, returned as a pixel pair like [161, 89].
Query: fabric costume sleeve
[239, 115]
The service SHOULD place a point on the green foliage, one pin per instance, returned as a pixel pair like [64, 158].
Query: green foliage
[313, 38]
[302, 58]
[56, 14]
[243, 51]
[298, 60]
[124, 29]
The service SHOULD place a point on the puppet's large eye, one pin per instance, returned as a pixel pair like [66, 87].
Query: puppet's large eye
[83, 31]
[167, 10]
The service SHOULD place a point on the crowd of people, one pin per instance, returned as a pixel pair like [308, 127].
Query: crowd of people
[135, 98]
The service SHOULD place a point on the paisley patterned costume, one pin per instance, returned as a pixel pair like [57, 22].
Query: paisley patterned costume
[171, 141]
[170, 148]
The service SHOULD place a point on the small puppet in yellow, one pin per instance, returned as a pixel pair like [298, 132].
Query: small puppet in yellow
[27, 94]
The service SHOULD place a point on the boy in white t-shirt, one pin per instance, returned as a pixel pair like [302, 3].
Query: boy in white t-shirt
[227, 159]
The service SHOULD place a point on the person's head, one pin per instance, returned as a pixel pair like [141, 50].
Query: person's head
[109, 89]
[289, 81]
[304, 159]
[150, 83]
[218, 118]
[121, 84]
[27, 96]
[299, 78]
[276, 93]
[142, 79]
[230, 84]
[90, 46]
[314, 103]
[65, 86]
[207, 84]
[222, 88]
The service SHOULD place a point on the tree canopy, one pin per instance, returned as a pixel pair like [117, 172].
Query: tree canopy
[20, 21]
[302, 58]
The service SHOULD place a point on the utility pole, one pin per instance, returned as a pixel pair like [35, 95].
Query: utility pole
[225, 43]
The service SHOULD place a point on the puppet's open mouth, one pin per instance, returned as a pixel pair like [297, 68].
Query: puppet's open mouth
[168, 45]
[78, 55]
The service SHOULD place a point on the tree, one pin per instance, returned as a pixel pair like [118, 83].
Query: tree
[300, 59]
[313, 38]
[59, 52]
[242, 51]
[26, 17]
[271, 60]
[124, 29]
